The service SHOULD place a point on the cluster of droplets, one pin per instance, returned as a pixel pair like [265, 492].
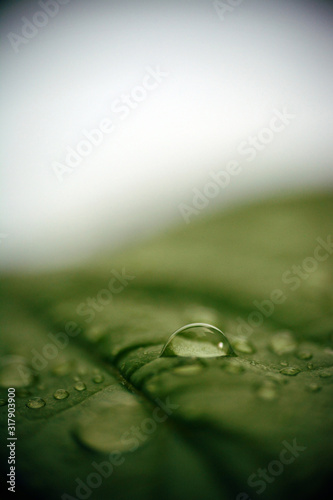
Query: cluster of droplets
[61, 394]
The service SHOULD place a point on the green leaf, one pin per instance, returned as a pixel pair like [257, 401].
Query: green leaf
[137, 425]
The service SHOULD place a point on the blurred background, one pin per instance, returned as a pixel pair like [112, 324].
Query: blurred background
[116, 113]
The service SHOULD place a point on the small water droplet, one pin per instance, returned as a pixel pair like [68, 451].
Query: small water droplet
[313, 387]
[80, 386]
[290, 371]
[15, 372]
[188, 370]
[197, 340]
[325, 374]
[284, 363]
[35, 403]
[267, 391]
[98, 379]
[243, 346]
[61, 394]
[304, 355]
[310, 366]
[283, 343]
[3, 402]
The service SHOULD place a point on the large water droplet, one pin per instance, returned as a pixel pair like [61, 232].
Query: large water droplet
[121, 427]
[290, 371]
[15, 372]
[61, 394]
[283, 343]
[35, 403]
[198, 340]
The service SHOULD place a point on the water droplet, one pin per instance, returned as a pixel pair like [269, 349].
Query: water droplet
[290, 371]
[15, 372]
[188, 370]
[80, 386]
[310, 366]
[283, 343]
[243, 346]
[267, 391]
[35, 403]
[304, 355]
[3, 402]
[121, 427]
[98, 379]
[313, 387]
[284, 363]
[325, 374]
[61, 394]
[197, 340]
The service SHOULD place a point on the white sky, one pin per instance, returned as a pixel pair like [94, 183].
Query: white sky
[225, 79]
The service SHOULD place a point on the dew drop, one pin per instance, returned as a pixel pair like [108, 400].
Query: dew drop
[121, 427]
[283, 343]
[197, 340]
[313, 387]
[98, 379]
[304, 355]
[15, 372]
[325, 374]
[80, 386]
[3, 402]
[35, 403]
[61, 394]
[310, 366]
[284, 363]
[290, 371]
[243, 346]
